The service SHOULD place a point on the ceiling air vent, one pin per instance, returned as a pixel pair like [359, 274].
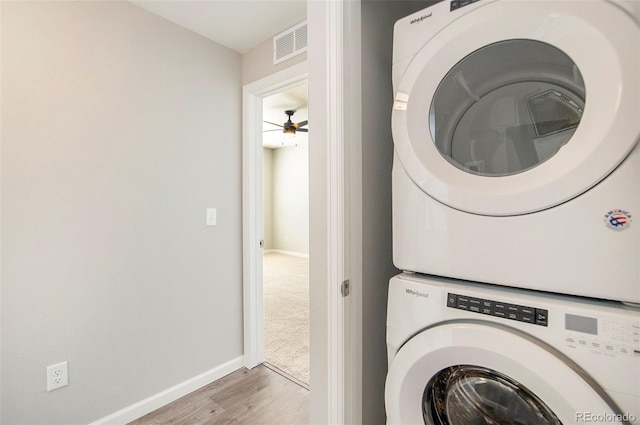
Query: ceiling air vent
[289, 43]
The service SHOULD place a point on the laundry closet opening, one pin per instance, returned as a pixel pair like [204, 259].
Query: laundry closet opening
[286, 233]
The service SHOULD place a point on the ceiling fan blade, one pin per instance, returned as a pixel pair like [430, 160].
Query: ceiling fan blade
[275, 129]
[304, 130]
[301, 124]
[272, 123]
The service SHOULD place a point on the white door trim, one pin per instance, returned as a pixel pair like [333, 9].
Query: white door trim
[335, 331]
[335, 130]
[252, 204]
[334, 319]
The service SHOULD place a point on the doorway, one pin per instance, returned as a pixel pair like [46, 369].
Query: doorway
[285, 168]
[253, 220]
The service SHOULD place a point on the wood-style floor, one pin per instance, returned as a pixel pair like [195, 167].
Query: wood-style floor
[258, 396]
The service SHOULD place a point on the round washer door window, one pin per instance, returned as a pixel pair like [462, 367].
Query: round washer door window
[507, 107]
[467, 394]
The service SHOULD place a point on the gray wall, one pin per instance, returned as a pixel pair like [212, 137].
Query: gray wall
[378, 17]
[118, 130]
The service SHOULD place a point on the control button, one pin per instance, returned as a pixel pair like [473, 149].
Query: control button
[486, 310]
[527, 318]
[462, 305]
[541, 317]
[582, 342]
[475, 301]
[528, 310]
[595, 344]
[499, 313]
[487, 303]
[608, 347]
[464, 3]
[570, 340]
[454, 5]
[474, 308]
[512, 308]
[452, 300]
[512, 315]
[463, 302]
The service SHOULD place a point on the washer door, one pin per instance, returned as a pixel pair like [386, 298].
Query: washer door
[516, 107]
[458, 371]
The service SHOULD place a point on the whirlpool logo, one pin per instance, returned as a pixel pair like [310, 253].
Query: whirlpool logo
[420, 19]
[416, 293]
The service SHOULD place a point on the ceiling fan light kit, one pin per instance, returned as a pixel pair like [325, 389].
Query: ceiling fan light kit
[289, 128]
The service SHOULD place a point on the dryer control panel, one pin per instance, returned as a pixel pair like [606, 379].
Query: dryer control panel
[521, 313]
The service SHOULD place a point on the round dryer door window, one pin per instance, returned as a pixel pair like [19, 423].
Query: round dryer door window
[516, 107]
[507, 108]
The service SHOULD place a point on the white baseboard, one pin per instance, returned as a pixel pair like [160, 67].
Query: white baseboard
[156, 401]
[280, 251]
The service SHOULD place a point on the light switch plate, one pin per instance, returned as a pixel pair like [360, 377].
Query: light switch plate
[212, 216]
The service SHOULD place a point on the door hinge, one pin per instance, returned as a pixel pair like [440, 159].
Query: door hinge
[345, 288]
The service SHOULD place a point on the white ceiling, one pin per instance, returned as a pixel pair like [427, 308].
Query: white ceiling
[237, 24]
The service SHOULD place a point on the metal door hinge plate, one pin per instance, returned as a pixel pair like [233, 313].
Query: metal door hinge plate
[345, 288]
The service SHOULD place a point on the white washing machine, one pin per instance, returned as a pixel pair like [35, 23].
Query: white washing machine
[477, 354]
[516, 127]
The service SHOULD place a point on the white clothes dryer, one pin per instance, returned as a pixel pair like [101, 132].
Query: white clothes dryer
[462, 353]
[516, 127]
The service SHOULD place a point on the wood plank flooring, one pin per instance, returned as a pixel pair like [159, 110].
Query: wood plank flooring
[257, 396]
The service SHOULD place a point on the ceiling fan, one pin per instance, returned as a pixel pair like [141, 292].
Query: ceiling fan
[290, 127]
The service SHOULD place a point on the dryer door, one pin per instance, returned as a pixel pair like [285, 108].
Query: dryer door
[461, 373]
[516, 107]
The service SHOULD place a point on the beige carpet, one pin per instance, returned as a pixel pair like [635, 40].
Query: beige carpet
[286, 314]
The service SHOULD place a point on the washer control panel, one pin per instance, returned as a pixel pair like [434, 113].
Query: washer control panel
[521, 313]
[457, 4]
[605, 335]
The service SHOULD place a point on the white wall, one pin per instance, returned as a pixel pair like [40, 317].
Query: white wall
[118, 130]
[290, 197]
[267, 196]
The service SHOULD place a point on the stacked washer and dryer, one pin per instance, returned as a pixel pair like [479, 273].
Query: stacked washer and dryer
[516, 181]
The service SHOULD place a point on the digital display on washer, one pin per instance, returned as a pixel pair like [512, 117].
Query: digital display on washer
[521, 313]
[587, 325]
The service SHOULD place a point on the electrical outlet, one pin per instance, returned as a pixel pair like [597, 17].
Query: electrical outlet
[57, 376]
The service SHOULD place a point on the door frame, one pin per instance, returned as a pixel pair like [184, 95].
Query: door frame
[252, 204]
[333, 73]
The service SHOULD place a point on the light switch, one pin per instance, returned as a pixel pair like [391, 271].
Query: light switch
[212, 216]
